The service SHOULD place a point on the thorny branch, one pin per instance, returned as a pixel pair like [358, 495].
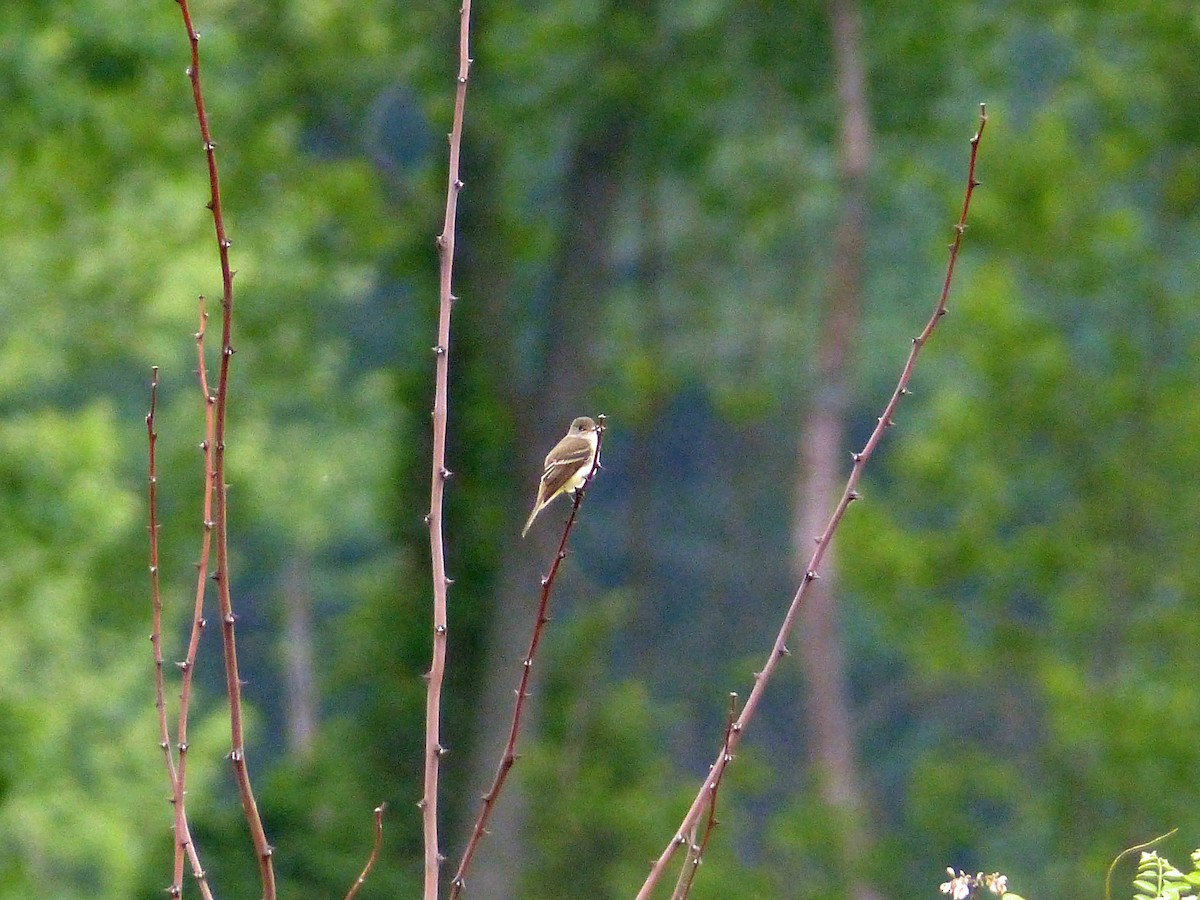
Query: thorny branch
[779, 649]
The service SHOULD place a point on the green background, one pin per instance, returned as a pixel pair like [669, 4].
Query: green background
[646, 231]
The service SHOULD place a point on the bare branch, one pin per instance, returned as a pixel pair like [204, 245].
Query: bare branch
[437, 668]
[687, 874]
[184, 847]
[362, 877]
[779, 649]
[233, 686]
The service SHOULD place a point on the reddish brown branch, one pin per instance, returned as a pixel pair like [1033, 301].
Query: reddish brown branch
[233, 686]
[156, 635]
[362, 877]
[509, 756]
[439, 473]
[779, 650]
[687, 874]
[188, 664]
[183, 837]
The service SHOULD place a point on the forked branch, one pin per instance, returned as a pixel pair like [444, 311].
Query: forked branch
[696, 848]
[779, 649]
[233, 685]
[184, 847]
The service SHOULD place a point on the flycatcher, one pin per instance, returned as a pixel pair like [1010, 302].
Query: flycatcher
[568, 465]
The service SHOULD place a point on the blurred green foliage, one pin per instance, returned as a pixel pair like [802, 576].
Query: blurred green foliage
[1019, 582]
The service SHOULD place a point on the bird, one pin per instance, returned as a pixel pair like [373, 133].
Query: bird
[568, 465]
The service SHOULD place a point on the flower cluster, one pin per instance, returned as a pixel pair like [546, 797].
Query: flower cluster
[960, 885]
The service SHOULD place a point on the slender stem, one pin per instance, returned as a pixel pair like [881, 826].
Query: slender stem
[780, 650]
[184, 847]
[362, 877]
[687, 874]
[156, 636]
[233, 686]
[188, 665]
[509, 756]
[439, 473]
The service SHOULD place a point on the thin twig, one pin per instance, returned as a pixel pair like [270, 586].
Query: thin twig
[233, 686]
[779, 650]
[687, 873]
[509, 756]
[362, 877]
[184, 847]
[187, 665]
[683, 882]
[439, 473]
[156, 634]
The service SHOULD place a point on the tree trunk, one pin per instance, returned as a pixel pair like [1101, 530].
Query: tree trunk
[822, 454]
[300, 690]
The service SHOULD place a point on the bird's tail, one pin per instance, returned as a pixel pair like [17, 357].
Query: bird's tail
[537, 508]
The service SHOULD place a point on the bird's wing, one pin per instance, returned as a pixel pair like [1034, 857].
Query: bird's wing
[564, 462]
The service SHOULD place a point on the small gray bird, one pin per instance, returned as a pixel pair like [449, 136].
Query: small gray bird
[568, 465]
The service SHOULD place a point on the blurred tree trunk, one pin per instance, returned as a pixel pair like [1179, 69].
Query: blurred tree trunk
[822, 458]
[559, 393]
[300, 692]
